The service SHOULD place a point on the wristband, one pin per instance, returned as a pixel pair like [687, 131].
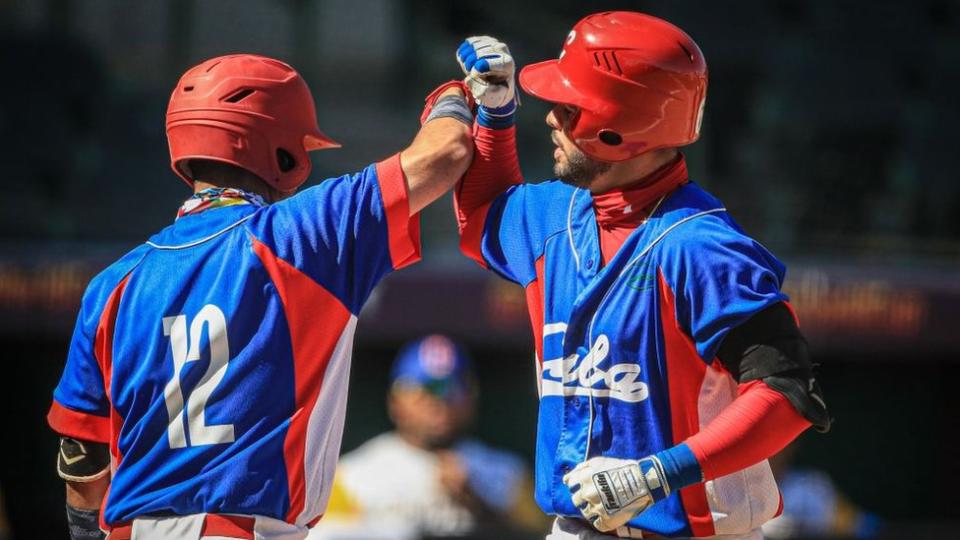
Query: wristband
[680, 466]
[433, 97]
[84, 524]
[451, 107]
[499, 118]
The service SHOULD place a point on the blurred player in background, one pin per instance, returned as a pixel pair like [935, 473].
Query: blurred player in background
[670, 364]
[428, 477]
[206, 380]
[813, 506]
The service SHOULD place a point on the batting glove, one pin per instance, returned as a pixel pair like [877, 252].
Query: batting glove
[491, 77]
[609, 492]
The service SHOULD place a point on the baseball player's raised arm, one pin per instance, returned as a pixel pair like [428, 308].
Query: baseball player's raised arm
[496, 167]
[441, 150]
[494, 170]
[350, 231]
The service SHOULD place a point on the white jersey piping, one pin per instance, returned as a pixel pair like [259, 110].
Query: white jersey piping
[202, 240]
[573, 247]
[633, 261]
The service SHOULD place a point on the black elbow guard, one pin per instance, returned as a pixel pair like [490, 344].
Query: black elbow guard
[803, 392]
[770, 347]
[82, 461]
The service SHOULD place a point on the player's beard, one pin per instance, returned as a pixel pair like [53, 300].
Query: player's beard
[579, 170]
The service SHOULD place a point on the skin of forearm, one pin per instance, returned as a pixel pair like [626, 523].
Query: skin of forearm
[437, 158]
[87, 495]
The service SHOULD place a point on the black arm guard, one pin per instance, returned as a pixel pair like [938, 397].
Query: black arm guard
[82, 461]
[771, 348]
[84, 524]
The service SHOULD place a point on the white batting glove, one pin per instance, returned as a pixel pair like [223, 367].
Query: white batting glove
[490, 71]
[609, 492]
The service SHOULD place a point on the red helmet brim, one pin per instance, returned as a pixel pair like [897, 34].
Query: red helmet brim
[544, 80]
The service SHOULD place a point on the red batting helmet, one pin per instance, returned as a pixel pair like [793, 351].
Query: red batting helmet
[246, 110]
[639, 83]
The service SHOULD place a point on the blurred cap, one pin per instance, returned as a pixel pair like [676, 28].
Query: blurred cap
[435, 363]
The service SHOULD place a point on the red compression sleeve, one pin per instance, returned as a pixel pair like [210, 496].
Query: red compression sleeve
[757, 425]
[494, 169]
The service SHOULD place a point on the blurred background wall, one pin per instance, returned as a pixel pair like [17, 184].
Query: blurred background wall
[829, 133]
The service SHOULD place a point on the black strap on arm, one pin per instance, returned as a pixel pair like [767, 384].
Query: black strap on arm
[770, 347]
[82, 461]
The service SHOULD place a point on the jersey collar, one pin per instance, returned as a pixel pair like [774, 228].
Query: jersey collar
[195, 228]
[218, 197]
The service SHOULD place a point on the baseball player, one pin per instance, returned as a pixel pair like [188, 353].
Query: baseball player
[428, 477]
[670, 363]
[207, 376]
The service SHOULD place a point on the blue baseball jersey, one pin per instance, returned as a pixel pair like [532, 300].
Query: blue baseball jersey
[626, 352]
[214, 358]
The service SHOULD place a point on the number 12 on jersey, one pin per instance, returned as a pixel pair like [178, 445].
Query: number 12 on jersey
[186, 348]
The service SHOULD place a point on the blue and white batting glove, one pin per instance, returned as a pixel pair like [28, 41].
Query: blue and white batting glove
[491, 77]
[609, 492]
